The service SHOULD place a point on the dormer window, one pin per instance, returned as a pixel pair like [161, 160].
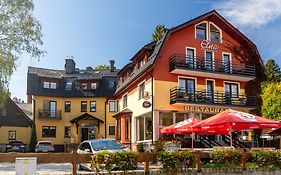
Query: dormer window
[49, 85]
[93, 85]
[141, 63]
[84, 86]
[68, 85]
[215, 34]
[201, 31]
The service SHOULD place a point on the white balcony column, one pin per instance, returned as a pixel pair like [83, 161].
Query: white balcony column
[155, 125]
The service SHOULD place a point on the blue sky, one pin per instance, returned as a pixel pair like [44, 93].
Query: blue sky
[95, 31]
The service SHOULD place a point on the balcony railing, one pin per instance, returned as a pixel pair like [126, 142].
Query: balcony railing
[203, 97]
[178, 61]
[50, 114]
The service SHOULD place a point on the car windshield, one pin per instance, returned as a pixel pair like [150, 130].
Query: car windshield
[16, 143]
[45, 144]
[106, 145]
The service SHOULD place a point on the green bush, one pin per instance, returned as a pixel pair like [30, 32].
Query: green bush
[176, 161]
[266, 158]
[140, 147]
[107, 161]
[159, 146]
[226, 158]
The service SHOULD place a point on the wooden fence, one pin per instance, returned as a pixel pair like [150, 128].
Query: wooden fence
[72, 158]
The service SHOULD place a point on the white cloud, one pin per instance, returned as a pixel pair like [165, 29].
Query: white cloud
[250, 13]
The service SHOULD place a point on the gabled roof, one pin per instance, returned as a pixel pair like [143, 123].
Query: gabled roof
[13, 115]
[125, 111]
[160, 43]
[85, 116]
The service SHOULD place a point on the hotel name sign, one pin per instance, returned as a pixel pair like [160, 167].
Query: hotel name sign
[200, 109]
[208, 46]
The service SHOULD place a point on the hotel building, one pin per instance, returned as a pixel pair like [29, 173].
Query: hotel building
[198, 68]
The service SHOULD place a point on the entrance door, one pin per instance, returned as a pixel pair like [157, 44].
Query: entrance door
[190, 59]
[84, 134]
[210, 91]
[226, 63]
[209, 61]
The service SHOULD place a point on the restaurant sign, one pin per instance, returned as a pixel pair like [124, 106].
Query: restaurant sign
[200, 109]
[207, 46]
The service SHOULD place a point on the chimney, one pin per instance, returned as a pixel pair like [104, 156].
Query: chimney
[112, 67]
[69, 66]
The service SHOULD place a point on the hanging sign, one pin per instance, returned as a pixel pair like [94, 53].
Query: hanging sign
[146, 104]
[207, 46]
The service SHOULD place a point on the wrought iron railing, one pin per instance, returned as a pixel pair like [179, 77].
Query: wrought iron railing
[51, 114]
[178, 61]
[178, 95]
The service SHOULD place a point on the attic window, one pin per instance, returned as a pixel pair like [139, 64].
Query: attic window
[201, 31]
[68, 85]
[215, 34]
[49, 85]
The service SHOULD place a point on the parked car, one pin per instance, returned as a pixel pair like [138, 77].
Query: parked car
[44, 146]
[15, 146]
[93, 146]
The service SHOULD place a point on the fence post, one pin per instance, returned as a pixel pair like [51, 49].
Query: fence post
[74, 163]
[243, 163]
[146, 167]
[198, 161]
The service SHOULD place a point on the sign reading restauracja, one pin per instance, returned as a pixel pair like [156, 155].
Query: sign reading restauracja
[201, 109]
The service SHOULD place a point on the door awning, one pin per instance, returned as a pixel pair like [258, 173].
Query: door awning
[87, 117]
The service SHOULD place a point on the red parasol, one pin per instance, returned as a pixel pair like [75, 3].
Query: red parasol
[185, 125]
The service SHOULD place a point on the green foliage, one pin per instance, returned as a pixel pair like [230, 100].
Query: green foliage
[158, 32]
[271, 97]
[140, 147]
[19, 32]
[273, 71]
[107, 161]
[159, 146]
[226, 158]
[266, 158]
[102, 67]
[33, 139]
[176, 161]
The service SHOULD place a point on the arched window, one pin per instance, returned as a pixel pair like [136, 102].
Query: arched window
[201, 31]
[215, 34]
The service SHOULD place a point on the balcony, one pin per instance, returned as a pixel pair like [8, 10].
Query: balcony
[49, 114]
[180, 64]
[204, 98]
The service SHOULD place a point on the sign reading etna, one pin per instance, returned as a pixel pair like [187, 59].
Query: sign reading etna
[207, 46]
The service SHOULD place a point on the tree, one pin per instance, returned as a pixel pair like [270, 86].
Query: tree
[33, 139]
[158, 32]
[20, 33]
[102, 67]
[273, 71]
[271, 97]
[17, 100]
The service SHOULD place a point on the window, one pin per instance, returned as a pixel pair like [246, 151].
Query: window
[144, 128]
[49, 85]
[84, 86]
[226, 63]
[209, 61]
[231, 90]
[12, 135]
[111, 84]
[92, 106]
[67, 132]
[48, 131]
[141, 63]
[187, 85]
[141, 90]
[83, 106]
[111, 130]
[190, 57]
[68, 85]
[50, 108]
[67, 106]
[128, 128]
[119, 129]
[125, 101]
[112, 106]
[210, 90]
[215, 34]
[93, 85]
[201, 31]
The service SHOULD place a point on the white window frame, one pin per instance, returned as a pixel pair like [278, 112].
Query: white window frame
[233, 82]
[213, 56]
[185, 77]
[94, 85]
[123, 106]
[115, 105]
[230, 59]
[53, 85]
[195, 55]
[207, 29]
[46, 85]
[83, 85]
[109, 130]
[139, 85]
[211, 23]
